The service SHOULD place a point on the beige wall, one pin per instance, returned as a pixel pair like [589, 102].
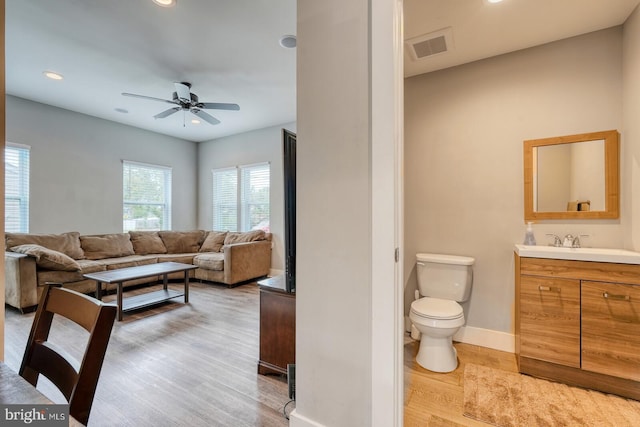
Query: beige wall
[631, 130]
[464, 129]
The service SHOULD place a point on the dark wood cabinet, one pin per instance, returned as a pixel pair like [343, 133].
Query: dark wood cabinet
[277, 326]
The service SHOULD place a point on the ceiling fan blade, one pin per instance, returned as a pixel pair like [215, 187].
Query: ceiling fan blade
[184, 91]
[166, 113]
[218, 106]
[205, 116]
[133, 95]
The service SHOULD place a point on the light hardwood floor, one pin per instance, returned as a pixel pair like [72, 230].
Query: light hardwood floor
[177, 364]
[436, 399]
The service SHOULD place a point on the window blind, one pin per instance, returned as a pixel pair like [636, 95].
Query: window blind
[225, 196]
[255, 197]
[241, 198]
[16, 175]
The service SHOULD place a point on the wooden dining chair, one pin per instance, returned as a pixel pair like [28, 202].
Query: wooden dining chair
[78, 385]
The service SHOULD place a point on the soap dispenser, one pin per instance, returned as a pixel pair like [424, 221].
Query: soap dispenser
[529, 238]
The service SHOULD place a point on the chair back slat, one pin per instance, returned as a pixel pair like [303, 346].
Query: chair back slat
[60, 371]
[41, 358]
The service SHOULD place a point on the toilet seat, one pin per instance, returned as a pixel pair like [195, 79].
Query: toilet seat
[436, 308]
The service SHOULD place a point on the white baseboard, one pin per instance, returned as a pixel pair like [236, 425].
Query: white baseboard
[496, 340]
[486, 338]
[296, 420]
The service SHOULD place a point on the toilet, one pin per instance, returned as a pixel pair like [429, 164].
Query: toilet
[443, 281]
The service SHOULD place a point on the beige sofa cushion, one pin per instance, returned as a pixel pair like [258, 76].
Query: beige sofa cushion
[147, 242]
[47, 258]
[180, 242]
[106, 245]
[210, 261]
[213, 242]
[67, 243]
[243, 237]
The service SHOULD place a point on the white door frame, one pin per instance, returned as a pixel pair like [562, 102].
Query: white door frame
[387, 124]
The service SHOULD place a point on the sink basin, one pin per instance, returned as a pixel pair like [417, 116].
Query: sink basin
[579, 254]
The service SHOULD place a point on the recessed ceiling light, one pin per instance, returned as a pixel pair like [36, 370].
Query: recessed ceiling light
[52, 75]
[494, 1]
[165, 3]
[288, 41]
[195, 121]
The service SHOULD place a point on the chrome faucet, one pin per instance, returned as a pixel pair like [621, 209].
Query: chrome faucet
[557, 242]
[569, 241]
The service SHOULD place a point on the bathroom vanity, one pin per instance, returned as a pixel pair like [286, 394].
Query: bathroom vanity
[577, 317]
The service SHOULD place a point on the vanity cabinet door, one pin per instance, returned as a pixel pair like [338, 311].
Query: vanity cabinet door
[611, 329]
[550, 320]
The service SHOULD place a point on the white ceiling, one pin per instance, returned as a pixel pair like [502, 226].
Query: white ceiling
[229, 51]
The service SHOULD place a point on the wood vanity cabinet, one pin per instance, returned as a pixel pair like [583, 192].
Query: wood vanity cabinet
[578, 322]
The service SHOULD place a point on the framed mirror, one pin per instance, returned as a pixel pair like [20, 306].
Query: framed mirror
[572, 177]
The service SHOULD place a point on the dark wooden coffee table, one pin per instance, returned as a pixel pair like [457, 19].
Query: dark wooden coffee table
[150, 298]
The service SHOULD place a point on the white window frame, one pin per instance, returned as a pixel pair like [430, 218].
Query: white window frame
[20, 192]
[165, 203]
[238, 200]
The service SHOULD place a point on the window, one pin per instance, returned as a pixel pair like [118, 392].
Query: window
[16, 178]
[241, 198]
[146, 197]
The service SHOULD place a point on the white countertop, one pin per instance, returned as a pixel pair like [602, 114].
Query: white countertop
[620, 256]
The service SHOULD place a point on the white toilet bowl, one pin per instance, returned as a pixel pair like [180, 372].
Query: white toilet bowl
[437, 320]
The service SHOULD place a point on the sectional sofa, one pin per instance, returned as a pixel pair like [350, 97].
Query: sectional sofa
[32, 260]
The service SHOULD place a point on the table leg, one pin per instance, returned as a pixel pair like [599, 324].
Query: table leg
[165, 281]
[98, 290]
[119, 297]
[186, 286]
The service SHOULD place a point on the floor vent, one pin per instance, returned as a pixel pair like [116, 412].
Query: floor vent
[427, 45]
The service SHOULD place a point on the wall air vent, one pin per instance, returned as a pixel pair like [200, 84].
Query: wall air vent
[428, 45]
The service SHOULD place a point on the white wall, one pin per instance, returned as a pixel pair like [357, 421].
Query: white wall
[263, 145]
[333, 277]
[630, 157]
[76, 168]
[464, 133]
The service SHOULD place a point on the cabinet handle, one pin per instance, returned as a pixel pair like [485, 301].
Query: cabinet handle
[548, 288]
[613, 296]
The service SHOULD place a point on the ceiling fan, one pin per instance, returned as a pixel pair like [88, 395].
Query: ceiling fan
[185, 100]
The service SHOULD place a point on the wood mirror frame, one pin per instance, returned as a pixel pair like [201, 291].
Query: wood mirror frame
[611, 175]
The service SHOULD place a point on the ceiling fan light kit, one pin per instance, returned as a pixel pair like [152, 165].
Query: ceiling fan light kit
[185, 100]
[53, 75]
[165, 3]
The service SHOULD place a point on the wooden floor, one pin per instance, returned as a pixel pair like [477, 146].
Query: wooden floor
[177, 364]
[440, 396]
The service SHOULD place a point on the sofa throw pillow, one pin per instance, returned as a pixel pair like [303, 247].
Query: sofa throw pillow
[48, 258]
[67, 243]
[107, 245]
[182, 242]
[213, 242]
[246, 236]
[147, 242]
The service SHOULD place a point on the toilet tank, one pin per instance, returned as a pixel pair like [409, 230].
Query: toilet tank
[444, 276]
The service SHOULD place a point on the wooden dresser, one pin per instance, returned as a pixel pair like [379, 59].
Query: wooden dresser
[277, 326]
[578, 322]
